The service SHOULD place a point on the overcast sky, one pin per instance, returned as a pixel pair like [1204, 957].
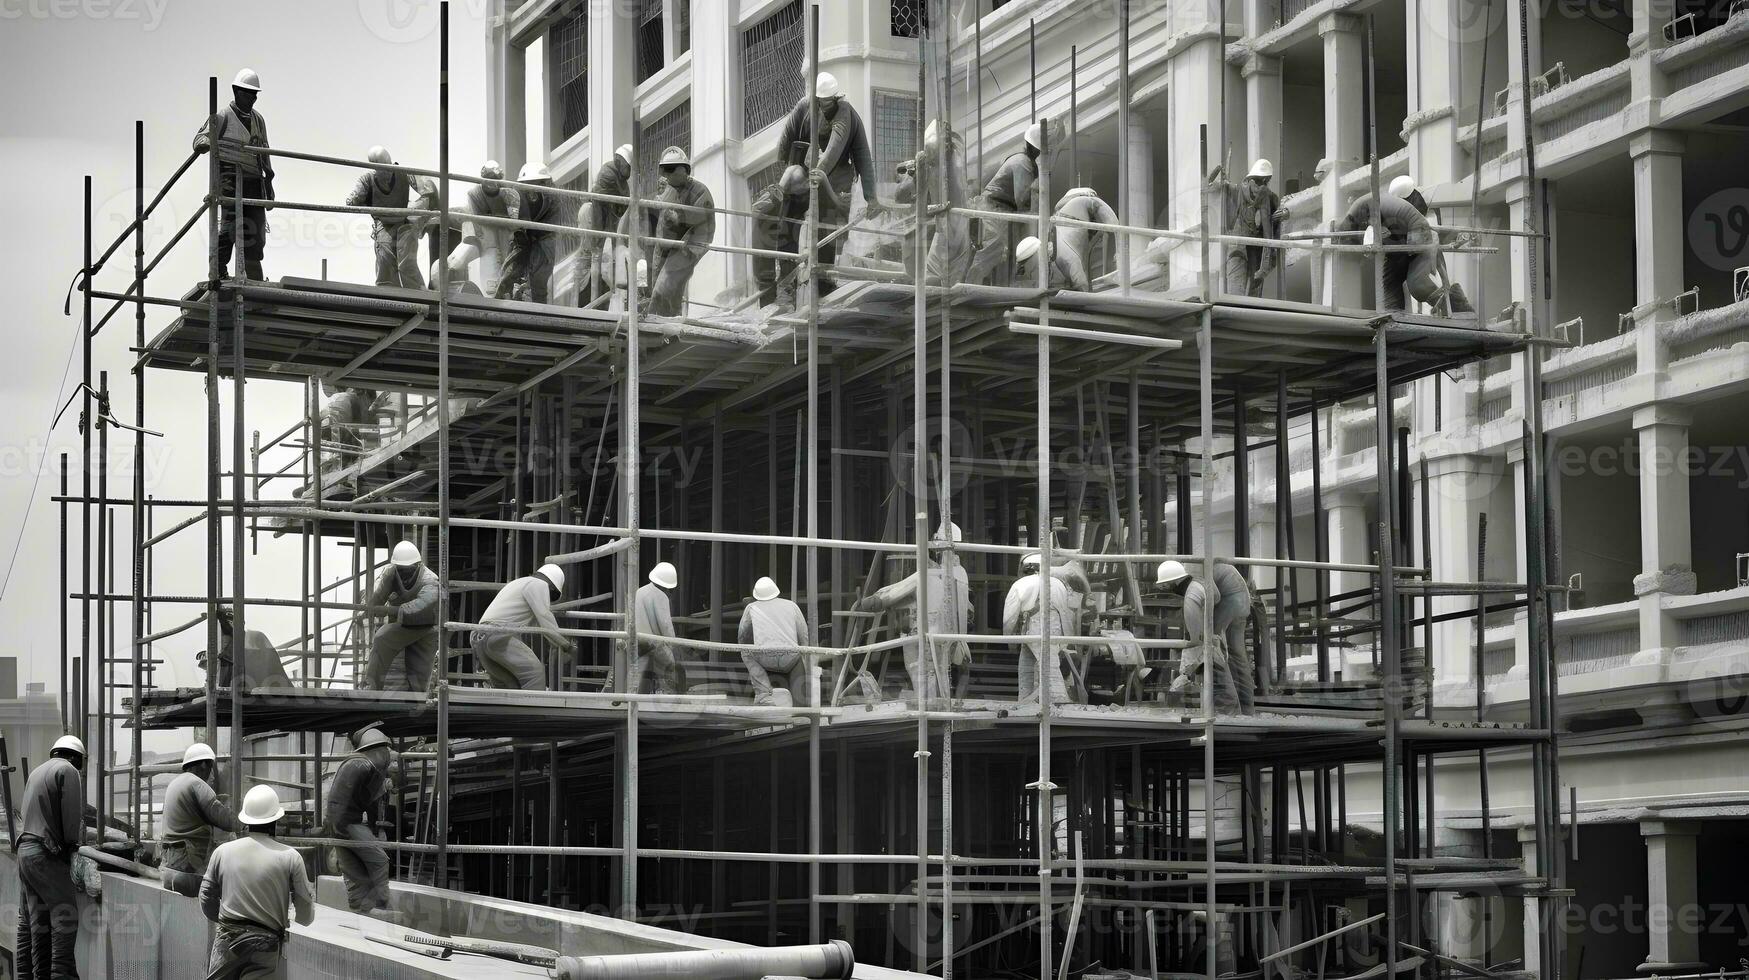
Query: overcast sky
[337, 76]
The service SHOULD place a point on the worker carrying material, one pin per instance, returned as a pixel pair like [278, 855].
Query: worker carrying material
[49, 833]
[1024, 613]
[685, 213]
[1235, 678]
[614, 179]
[350, 811]
[404, 649]
[845, 157]
[949, 607]
[525, 603]
[394, 237]
[249, 892]
[1248, 208]
[656, 659]
[779, 213]
[775, 628]
[192, 812]
[1010, 191]
[532, 250]
[226, 135]
[261, 663]
[1404, 224]
[490, 200]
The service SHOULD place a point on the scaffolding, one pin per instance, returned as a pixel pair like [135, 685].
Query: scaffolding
[1173, 821]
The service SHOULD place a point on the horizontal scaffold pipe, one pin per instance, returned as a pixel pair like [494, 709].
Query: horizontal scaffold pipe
[1102, 336]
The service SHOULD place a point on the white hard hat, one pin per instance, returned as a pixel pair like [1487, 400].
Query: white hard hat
[1027, 248]
[1369, 238]
[826, 86]
[665, 575]
[492, 170]
[932, 133]
[260, 806]
[553, 574]
[1074, 192]
[1033, 559]
[624, 152]
[674, 156]
[68, 743]
[1402, 186]
[765, 589]
[1262, 168]
[1035, 136]
[406, 553]
[247, 78]
[1170, 572]
[953, 532]
[198, 752]
[532, 172]
[369, 738]
[379, 154]
[643, 272]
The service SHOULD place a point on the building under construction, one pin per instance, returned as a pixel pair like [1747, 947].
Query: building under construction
[1394, 801]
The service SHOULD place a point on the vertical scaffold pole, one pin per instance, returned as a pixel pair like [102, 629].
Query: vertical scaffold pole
[440, 680]
[85, 540]
[1205, 367]
[239, 465]
[925, 674]
[812, 456]
[1047, 658]
[629, 475]
[137, 521]
[213, 582]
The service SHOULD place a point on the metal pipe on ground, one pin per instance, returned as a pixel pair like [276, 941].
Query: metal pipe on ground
[830, 961]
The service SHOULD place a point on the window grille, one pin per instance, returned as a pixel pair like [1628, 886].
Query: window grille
[651, 53]
[910, 18]
[771, 67]
[895, 132]
[673, 128]
[569, 44]
[759, 180]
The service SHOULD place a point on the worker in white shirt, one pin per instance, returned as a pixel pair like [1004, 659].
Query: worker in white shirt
[192, 812]
[250, 886]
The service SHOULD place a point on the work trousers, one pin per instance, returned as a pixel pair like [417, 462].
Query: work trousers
[1030, 664]
[1243, 263]
[1230, 615]
[531, 261]
[655, 660]
[48, 915]
[1071, 269]
[365, 869]
[177, 873]
[245, 953]
[254, 227]
[397, 254]
[831, 219]
[1413, 272]
[950, 251]
[508, 662]
[776, 284]
[401, 658]
[928, 675]
[994, 257]
[790, 663]
[668, 289]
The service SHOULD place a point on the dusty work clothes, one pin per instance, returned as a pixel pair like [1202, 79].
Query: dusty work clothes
[1023, 614]
[672, 267]
[1010, 191]
[226, 134]
[1404, 224]
[425, 198]
[404, 649]
[1075, 245]
[492, 240]
[1249, 209]
[353, 799]
[394, 237]
[507, 660]
[949, 609]
[191, 812]
[951, 248]
[777, 227]
[776, 627]
[248, 888]
[261, 664]
[613, 179]
[532, 250]
[53, 809]
[1234, 678]
[655, 655]
[845, 156]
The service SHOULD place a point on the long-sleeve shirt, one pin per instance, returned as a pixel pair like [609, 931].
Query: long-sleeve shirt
[772, 624]
[1250, 208]
[425, 197]
[261, 663]
[415, 604]
[779, 215]
[1021, 613]
[845, 154]
[374, 191]
[257, 880]
[652, 614]
[54, 805]
[944, 616]
[1402, 222]
[1228, 582]
[231, 129]
[353, 796]
[504, 204]
[1013, 183]
[523, 603]
[696, 228]
[191, 811]
[614, 178]
[1081, 204]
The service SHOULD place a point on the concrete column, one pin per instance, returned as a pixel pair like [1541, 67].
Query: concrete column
[1194, 101]
[1533, 925]
[1673, 917]
[1458, 487]
[1344, 138]
[1650, 16]
[1666, 549]
[1139, 208]
[506, 120]
[1348, 535]
[612, 60]
[715, 43]
[1263, 109]
[1659, 220]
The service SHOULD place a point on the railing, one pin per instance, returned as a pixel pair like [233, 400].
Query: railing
[1594, 366]
[1718, 628]
[1579, 103]
[1584, 653]
[1705, 331]
[1707, 55]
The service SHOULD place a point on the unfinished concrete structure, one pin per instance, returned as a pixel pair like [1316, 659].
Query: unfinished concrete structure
[798, 434]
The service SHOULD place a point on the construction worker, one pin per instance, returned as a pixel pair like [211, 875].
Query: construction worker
[350, 812]
[492, 242]
[261, 663]
[192, 812]
[1249, 207]
[394, 237]
[404, 648]
[655, 628]
[1075, 245]
[458, 283]
[1025, 613]
[775, 628]
[685, 212]
[615, 180]
[250, 886]
[781, 210]
[227, 134]
[531, 249]
[1235, 681]
[951, 247]
[524, 603]
[49, 834]
[1025, 272]
[845, 156]
[425, 198]
[1404, 224]
[949, 609]
[1010, 191]
[1403, 186]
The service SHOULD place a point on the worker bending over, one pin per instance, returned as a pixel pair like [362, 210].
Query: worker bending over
[845, 157]
[949, 600]
[249, 888]
[655, 628]
[685, 212]
[350, 811]
[1235, 678]
[613, 180]
[1026, 258]
[524, 603]
[394, 236]
[226, 134]
[1074, 245]
[1249, 208]
[49, 834]
[1404, 224]
[531, 249]
[780, 212]
[261, 664]
[1027, 612]
[775, 628]
[192, 812]
[1010, 191]
[404, 649]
